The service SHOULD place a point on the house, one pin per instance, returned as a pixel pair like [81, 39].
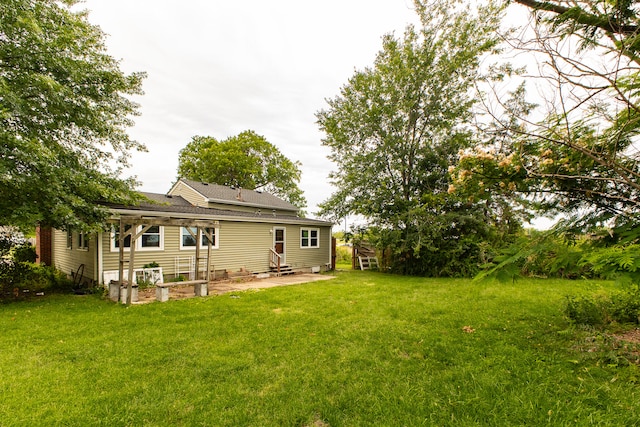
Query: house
[196, 230]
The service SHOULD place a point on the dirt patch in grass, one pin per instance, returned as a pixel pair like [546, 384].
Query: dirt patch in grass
[628, 345]
[632, 336]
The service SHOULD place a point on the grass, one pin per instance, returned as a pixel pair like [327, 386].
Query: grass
[365, 349]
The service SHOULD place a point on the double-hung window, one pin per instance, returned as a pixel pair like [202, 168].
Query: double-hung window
[309, 238]
[151, 239]
[188, 241]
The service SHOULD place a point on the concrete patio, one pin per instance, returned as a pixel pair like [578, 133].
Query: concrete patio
[220, 287]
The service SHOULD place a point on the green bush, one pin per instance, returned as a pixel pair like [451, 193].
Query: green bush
[601, 310]
[21, 276]
[45, 278]
[586, 310]
[343, 254]
[625, 306]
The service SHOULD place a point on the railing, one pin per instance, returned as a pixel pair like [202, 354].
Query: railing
[274, 259]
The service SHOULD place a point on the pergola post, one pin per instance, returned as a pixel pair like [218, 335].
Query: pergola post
[133, 222]
[120, 257]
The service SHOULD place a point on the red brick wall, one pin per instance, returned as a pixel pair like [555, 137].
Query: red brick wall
[44, 244]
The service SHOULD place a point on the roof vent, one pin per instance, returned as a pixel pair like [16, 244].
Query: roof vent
[239, 196]
[169, 196]
[204, 183]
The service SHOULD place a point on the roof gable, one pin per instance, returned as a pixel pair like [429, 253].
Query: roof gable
[222, 194]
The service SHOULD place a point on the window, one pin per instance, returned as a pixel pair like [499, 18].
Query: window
[83, 241]
[152, 239]
[309, 238]
[69, 239]
[116, 238]
[187, 241]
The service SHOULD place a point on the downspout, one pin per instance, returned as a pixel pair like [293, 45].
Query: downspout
[330, 246]
[99, 266]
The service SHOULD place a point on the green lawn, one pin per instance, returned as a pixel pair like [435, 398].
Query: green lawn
[365, 349]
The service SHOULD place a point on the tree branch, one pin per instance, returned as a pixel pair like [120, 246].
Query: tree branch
[583, 18]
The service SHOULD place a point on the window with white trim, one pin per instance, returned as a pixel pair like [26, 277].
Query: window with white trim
[150, 240]
[309, 238]
[83, 241]
[115, 238]
[187, 241]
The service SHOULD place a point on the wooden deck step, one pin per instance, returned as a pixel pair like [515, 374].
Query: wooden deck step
[284, 270]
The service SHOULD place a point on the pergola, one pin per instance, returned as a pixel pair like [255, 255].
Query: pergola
[128, 227]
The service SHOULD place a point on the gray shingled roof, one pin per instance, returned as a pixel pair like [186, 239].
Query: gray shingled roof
[231, 195]
[179, 206]
[165, 199]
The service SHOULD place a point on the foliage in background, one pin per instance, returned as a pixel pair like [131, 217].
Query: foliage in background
[571, 150]
[64, 109]
[343, 254]
[246, 160]
[393, 132]
[541, 254]
[20, 276]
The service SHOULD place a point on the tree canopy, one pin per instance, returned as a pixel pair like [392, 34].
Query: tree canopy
[574, 150]
[397, 126]
[246, 160]
[64, 109]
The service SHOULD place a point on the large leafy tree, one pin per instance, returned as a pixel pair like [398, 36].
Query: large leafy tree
[246, 160]
[64, 107]
[575, 151]
[397, 126]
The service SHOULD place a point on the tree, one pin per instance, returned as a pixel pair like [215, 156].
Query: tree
[247, 160]
[64, 108]
[397, 126]
[575, 153]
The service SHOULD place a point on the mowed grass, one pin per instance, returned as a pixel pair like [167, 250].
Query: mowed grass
[364, 349]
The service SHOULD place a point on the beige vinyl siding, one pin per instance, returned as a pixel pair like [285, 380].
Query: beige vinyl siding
[189, 194]
[242, 245]
[247, 245]
[298, 257]
[166, 258]
[69, 260]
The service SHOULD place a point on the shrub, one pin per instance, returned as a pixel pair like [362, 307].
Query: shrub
[585, 310]
[19, 273]
[152, 264]
[625, 306]
[601, 310]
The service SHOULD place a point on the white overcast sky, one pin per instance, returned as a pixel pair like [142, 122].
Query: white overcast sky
[219, 67]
